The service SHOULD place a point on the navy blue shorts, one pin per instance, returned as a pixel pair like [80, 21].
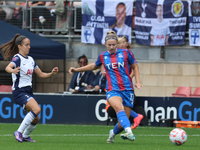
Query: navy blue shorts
[22, 95]
[126, 95]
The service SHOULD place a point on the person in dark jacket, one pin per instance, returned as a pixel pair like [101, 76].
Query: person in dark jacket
[99, 83]
[80, 79]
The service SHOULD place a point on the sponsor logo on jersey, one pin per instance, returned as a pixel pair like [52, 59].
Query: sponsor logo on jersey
[30, 72]
[14, 59]
[115, 65]
[160, 36]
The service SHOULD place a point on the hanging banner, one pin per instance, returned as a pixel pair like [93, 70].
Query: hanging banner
[194, 22]
[100, 16]
[160, 22]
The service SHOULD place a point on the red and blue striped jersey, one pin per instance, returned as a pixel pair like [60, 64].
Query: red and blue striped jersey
[117, 67]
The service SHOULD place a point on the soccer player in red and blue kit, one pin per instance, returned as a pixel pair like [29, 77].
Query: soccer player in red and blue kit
[117, 63]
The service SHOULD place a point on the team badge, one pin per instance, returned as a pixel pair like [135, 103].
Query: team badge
[177, 8]
[143, 14]
[120, 56]
[87, 33]
[194, 36]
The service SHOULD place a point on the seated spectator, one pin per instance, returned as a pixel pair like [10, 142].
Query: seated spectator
[80, 78]
[99, 83]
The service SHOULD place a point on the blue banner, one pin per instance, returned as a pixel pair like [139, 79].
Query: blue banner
[90, 109]
[160, 22]
[156, 108]
[100, 16]
[194, 22]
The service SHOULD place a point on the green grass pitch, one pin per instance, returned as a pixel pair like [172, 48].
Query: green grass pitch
[93, 137]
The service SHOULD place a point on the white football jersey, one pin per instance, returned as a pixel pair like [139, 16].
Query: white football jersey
[160, 30]
[27, 66]
[124, 31]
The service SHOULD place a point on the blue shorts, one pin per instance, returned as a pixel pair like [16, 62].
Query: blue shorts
[126, 95]
[22, 95]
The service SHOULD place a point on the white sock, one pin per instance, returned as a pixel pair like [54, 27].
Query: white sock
[112, 134]
[28, 130]
[128, 130]
[27, 121]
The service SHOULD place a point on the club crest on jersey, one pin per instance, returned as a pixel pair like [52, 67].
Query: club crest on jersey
[120, 55]
[30, 72]
[105, 57]
[115, 65]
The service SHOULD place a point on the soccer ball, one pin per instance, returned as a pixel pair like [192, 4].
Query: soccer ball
[178, 136]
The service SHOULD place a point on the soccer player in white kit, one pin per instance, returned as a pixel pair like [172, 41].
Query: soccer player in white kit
[160, 30]
[22, 67]
[120, 28]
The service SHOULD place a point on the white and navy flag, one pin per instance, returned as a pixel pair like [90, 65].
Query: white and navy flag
[160, 22]
[100, 16]
[194, 22]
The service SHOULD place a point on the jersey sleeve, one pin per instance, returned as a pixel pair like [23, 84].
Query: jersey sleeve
[132, 55]
[153, 32]
[131, 58]
[16, 61]
[168, 30]
[35, 65]
[98, 61]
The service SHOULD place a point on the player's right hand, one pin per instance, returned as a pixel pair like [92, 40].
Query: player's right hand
[16, 70]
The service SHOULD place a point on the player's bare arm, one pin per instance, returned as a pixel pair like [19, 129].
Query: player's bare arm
[137, 76]
[10, 69]
[85, 68]
[46, 75]
[166, 40]
[152, 37]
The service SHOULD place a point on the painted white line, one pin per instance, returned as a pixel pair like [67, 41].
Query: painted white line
[48, 135]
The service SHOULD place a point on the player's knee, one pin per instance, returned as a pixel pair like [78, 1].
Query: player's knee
[118, 108]
[37, 110]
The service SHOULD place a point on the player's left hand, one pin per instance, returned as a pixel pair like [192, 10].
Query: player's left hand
[71, 70]
[138, 85]
[54, 71]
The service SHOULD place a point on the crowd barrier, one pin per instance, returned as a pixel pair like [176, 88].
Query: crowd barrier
[90, 109]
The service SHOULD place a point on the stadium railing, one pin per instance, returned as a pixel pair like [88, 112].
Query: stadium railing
[28, 22]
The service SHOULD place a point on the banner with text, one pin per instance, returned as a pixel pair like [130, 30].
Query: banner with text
[194, 22]
[160, 22]
[100, 16]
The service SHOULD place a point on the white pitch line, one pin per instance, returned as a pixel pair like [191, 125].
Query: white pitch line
[3, 135]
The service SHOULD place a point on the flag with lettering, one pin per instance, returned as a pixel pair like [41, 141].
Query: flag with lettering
[194, 22]
[100, 16]
[160, 22]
